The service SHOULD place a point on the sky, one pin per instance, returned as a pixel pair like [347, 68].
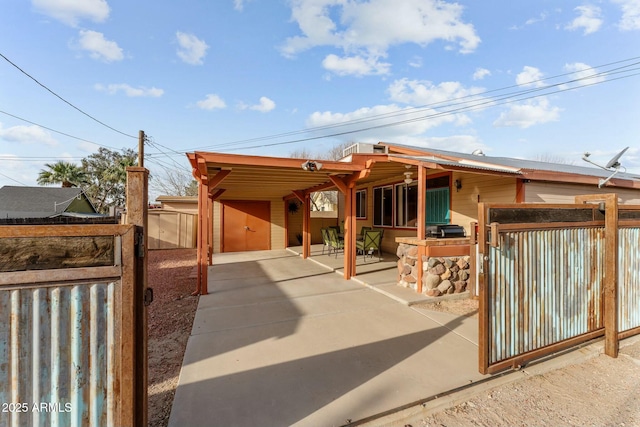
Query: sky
[534, 80]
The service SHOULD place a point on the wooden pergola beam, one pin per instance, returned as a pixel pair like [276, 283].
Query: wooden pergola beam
[215, 180]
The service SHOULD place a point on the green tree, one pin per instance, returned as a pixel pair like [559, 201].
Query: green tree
[61, 172]
[107, 177]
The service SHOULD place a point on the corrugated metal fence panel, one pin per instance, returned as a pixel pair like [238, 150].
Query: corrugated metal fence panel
[58, 352]
[544, 286]
[628, 278]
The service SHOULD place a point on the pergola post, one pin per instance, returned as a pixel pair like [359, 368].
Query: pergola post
[422, 221]
[203, 237]
[349, 233]
[306, 226]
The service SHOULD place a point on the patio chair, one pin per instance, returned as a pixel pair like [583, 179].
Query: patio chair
[362, 231]
[325, 241]
[371, 241]
[334, 240]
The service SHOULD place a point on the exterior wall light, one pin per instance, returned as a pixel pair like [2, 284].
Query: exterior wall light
[311, 166]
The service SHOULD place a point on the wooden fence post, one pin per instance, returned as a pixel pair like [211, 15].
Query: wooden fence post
[611, 344]
[610, 288]
[137, 207]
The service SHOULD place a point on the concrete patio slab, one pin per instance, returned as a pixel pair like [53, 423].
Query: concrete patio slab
[282, 341]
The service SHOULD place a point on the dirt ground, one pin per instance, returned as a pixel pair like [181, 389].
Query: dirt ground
[172, 277]
[587, 390]
[593, 391]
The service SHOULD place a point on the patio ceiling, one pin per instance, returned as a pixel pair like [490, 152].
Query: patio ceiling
[257, 177]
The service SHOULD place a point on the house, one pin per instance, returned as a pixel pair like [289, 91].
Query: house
[44, 202]
[243, 200]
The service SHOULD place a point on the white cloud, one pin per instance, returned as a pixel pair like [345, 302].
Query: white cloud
[416, 62]
[382, 118]
[368, 29]
[27, 135]
[98, 47]
[422, 92]
[192, 50]
[264, 106]
[481, 73]
[355, 65]
[211, 102]
[130, 91]
[532, 112]
[630, 14]
[589, 19]
[585, 74]
[543, 16]
[530, 76]
[71, 12]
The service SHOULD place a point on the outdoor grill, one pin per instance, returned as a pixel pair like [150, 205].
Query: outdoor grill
[445, 231]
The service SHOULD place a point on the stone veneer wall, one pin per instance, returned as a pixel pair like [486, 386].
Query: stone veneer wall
[441, 275]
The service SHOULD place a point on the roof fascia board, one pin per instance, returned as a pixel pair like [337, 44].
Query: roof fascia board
[577, 179]
[281, 162]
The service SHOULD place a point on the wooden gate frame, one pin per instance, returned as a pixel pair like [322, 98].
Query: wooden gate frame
[608, 202]
[128, 380]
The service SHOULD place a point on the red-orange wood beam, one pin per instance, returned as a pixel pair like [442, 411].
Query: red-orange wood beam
[216, 179]
[306, 227]
[422, 202]
[217, 194]
[199, 245]
[300, 195]
[340, 184]
[204, 253]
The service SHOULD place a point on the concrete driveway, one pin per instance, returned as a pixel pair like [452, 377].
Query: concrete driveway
[282, 341]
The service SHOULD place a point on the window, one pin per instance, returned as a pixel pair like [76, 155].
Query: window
[383, 206]
[407, 205]
[361, 204]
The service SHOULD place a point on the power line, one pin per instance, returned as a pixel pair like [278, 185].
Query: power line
[64, 100]
[490, 102]
[57, 131]
[14, 180]
[418, 109]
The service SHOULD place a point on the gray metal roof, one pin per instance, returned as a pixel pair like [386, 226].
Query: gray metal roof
[495, 163]
[36, 202]
[432, 159]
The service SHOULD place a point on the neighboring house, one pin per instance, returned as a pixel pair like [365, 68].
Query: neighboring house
[243, 200]
[44, 202]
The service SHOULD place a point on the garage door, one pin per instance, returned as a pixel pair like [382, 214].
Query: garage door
[246, 225]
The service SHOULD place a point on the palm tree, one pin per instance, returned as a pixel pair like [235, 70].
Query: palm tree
[61, 172]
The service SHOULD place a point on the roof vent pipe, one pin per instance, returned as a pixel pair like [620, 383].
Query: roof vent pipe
[477, 152]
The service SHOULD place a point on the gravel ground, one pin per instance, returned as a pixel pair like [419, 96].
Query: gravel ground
[172, 275]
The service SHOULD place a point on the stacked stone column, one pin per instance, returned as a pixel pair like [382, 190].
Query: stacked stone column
[440, 275]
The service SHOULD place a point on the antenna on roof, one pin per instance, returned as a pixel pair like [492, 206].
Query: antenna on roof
[612, 165]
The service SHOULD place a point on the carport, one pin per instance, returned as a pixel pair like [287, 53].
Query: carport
[232, 177]
[241, 177]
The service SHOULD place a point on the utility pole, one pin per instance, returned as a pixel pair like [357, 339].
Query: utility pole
[141, 138]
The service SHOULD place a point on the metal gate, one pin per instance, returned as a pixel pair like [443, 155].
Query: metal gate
[554, 276]
[69, 300]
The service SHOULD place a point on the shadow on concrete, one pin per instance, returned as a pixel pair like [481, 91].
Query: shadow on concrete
[286, 393]
[250, 302]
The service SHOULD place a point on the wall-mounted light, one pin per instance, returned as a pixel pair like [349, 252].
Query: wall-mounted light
[311, 166]
[458, 184]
